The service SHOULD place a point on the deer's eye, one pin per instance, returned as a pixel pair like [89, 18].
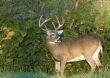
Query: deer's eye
[53, 35]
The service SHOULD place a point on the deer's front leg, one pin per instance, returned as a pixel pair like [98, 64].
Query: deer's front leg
[57, 66]
[62, 66]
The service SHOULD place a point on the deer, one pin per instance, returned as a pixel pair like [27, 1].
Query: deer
[63, 50]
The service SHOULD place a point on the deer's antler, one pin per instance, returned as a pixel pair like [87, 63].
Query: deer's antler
[43, 23]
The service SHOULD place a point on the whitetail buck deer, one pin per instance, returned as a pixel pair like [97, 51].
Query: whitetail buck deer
[86, 47]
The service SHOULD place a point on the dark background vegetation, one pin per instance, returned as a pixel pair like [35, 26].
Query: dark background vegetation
[26, 51]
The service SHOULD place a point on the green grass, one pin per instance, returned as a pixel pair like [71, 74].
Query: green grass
[102, 73]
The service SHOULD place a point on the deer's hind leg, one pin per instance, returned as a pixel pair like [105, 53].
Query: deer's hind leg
[98, 63]
[96, 57]
[92, 63]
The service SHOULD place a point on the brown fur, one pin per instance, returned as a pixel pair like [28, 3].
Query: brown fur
[70, 48]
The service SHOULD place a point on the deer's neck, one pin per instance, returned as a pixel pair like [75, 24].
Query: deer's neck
[51, 45]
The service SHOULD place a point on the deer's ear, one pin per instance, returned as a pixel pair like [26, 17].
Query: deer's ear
[60, 32]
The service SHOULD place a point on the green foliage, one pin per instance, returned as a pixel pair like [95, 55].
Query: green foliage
[26, 51]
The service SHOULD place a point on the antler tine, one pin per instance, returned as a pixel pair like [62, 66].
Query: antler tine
[60, 25]
[43, 23]
[40, 21]
[54, 26]
[46, 27]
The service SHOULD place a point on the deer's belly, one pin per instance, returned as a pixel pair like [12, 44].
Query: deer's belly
[79, 58]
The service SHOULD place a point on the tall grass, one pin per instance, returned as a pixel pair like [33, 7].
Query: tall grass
[102, 73]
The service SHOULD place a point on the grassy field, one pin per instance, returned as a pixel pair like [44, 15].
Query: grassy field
[102, 73]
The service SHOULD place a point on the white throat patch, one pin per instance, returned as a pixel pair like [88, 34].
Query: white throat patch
[51, 42]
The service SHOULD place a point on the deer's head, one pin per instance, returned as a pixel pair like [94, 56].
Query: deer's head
[52, 35]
